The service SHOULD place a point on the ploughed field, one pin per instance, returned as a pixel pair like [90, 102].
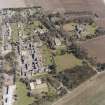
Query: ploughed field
[59, 5]
[95, 49]
[12, 3]
[70, 5]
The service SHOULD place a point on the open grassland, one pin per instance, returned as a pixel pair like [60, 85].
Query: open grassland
[66, 61]
[21, 92]
[91, 92]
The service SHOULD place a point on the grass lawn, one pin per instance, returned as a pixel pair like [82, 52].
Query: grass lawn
[40, 75]
[14, 32]
[66, 61]
[46, 54]
[21, 91]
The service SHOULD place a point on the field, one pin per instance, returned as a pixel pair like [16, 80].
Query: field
[60, 5]
[72, 5]
[14, 32]
[21, 91]
[46, 54]
[91, 92]
[95, 48]
[12, 3]
[66, 61]
[71, 78]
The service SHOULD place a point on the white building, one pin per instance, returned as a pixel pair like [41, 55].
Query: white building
[8, 93]
[8, 90]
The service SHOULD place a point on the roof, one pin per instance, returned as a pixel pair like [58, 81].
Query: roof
[8, 80]
[9, 96]
[38, 88]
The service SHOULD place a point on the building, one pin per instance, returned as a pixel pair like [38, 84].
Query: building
[38, 87]
[8, 90]
[57, 42]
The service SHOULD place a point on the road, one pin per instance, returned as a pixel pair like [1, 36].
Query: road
[93, 84]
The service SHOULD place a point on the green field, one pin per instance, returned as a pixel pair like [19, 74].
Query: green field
[40, 75]
[66, 61]
[14, 32]
[46, 54]
[21, 92]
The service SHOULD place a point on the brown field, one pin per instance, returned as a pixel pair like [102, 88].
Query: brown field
[95, 48]
[91, 92]
[70, 5]
[95, 6]
[59, 5]
[12, 3]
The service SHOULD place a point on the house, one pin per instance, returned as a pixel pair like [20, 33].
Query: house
[8, 94]
[57, 42]
[38, 87]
